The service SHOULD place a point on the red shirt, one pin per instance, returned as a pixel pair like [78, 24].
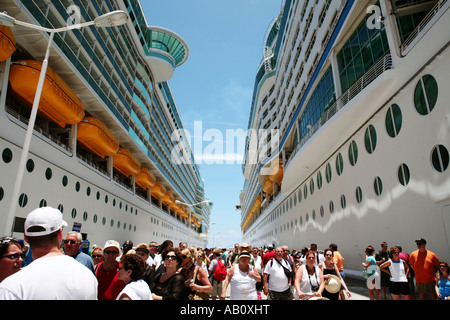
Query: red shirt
[425, 265]
[109, 285]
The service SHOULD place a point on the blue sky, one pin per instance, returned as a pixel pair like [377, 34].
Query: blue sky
[214, 88]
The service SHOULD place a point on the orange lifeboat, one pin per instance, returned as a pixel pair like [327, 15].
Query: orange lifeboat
[168, 198]
[59, 103]
[268, 186]
[126, 163]
[277, 173]
[180, 210]
[7, 43]
[96, 137]
[145, 179]
[175, 206]
[158, 190]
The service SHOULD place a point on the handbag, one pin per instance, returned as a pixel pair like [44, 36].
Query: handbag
[198, 295]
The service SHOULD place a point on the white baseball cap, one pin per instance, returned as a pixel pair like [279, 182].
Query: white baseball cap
[48, 218]
[112, 243]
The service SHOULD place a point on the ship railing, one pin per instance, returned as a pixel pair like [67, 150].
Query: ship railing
[381, 66]
[21, 120]
[92, 165]
[423, 27]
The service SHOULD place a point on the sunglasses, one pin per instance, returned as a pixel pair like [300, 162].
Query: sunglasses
[171, 258]
[70, 241]
[14, 256]
[97, 256]
[111, 252]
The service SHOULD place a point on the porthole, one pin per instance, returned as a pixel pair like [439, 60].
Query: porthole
[322, 211]
[48, 173]
[403, 174]
[328, 173]
[331, 206]
[98, 195]
[370, 139]
[61, 208]
[353, 153]
[314, 215]
[65, 181]
[103, 221]
[319, 180]
[42, 203]
[440, 158]
[30, 165]
[94, 218]
[305, 191]
[85, 216]
[2, 193]
[358, 194]
[88, 191]
[311, 186]
[111, 223]
[77, 186]
[106, 198]
[299, 195]
[393, 120]
[343, 202]
[74, 213]
[7, 155]
[23, 200]
[425, 94]
[378, 186]
[339, 164]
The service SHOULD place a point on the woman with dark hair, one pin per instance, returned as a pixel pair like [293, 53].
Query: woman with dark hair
[131, 271]
[373, 280]
[443, 282]
[309, 279]
[11, 257]
[196, 280]
[169, 285]
[397, 269]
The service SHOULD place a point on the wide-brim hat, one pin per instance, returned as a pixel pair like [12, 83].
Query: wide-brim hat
[333, 284]
[246, 246]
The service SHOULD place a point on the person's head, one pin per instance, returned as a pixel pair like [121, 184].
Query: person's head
[72, 243]
[384, 246]
[171, 258]
[11, 257]
[244, 258]
[153, 247]
[394, 252]
[97, 255]
[166, 245]
[310, 256]
[443, 268]
[255, 252]
[245, 247]
[132, 267]
[370, 250]
[279, 253]
[143, 250]
[313, 247]
[217, 253]
[43, 230]
[200, 255]
[333, 246]
[304, 250]
[421, 244]
[285, 251]
[111, 251]
[188, 256]
[328, 253]
[183, 245]
[127, 245]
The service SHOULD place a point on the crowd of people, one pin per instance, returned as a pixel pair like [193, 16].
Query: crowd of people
[166, 272]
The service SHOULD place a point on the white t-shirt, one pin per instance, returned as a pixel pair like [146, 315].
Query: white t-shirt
[278, 281]
[137, 290]
[155, 261]
[51, 278]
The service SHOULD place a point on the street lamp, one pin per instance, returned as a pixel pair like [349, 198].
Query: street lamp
[110, 19]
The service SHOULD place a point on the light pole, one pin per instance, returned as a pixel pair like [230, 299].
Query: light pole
[114, 18]
[209, 202]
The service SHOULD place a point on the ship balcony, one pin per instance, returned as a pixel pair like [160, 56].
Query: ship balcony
[166, 50]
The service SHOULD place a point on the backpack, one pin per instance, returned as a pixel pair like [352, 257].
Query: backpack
[220, 273]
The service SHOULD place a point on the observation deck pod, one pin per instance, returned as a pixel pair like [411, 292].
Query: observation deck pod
[166, 51]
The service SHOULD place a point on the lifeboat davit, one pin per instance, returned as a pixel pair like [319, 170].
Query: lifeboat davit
[145, 179]
[59, 103]
[95, 136]
[168, 198]
[126, 163]
[7, 43]
[158, 190]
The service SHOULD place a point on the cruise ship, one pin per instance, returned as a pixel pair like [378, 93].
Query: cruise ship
[108, 148]
[349, 129]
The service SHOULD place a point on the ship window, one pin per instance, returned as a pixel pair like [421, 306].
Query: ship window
[358, 194]
[314, 214]
[331, 206]
[322, 211]
[48, 173]
[98, 195]
[299, 195]
[74, 213]
[114, 202]
[393, 120]
[94, 218]
[42, 203]
[343, 202]
[85, 216]
[370, 139]
[30, 165]
[378, 186]
[106, 198]
[7, 155]
[301, 221]
[65, 181]
[305, 191]
[425, 94]
[88, 191]
[2, 193]
[23, 200]
[103, 221]
[61, 208]
[77, 186]
[319, 180]
[353, 153]
[328, 173]
[311, 186]
[111, 223]
[403, 174]
[440, 158]
[307, 218]
[339, 164]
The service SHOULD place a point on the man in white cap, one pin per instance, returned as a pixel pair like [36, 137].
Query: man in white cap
[52, 275]
[109, 285]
